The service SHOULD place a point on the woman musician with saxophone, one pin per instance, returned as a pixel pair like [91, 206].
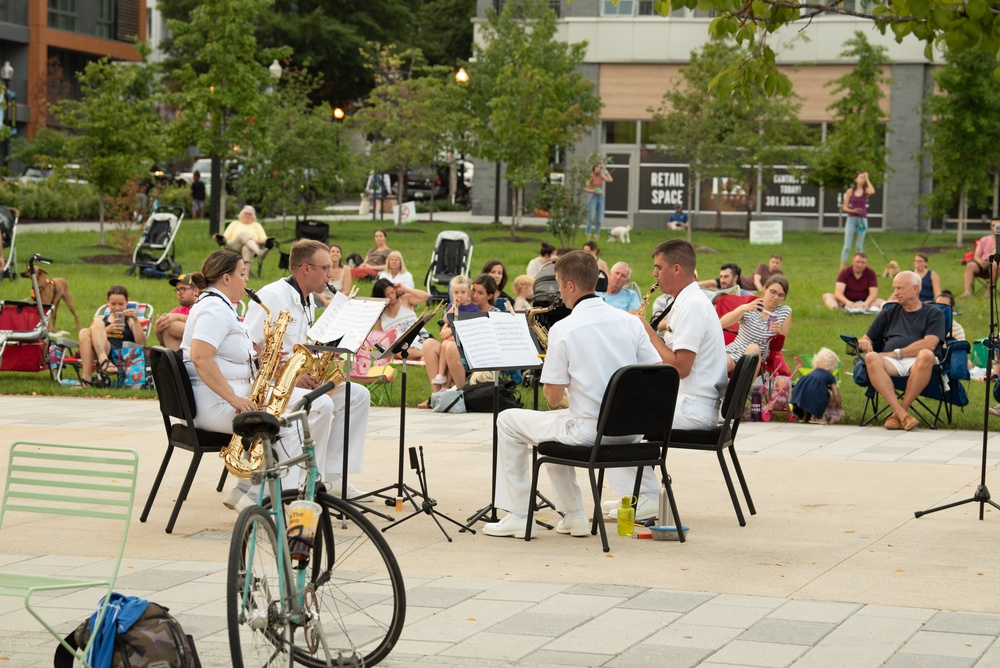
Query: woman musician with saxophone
[218, 354]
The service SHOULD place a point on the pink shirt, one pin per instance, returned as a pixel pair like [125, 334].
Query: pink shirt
[986, 246]
[182, 310]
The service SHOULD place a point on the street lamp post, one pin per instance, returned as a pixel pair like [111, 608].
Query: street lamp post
[7, 76]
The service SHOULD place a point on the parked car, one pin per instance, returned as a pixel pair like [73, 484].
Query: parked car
[204, 165]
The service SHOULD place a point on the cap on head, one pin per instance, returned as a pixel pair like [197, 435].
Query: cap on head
[183, 278]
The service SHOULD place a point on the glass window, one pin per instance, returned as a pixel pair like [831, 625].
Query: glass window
[624, 8]
[62, 14]
[652, 132]
[645, 8]
[619, 132]
[105, 24]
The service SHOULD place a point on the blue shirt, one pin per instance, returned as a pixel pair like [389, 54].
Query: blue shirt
[678, 217]
[626, 300]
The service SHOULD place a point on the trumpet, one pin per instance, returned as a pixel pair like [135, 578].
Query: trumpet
[645, 300]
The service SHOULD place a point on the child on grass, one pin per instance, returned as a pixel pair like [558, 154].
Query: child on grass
[816, 395]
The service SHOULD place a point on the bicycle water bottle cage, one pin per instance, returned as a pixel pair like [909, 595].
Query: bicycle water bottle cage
[256, 424]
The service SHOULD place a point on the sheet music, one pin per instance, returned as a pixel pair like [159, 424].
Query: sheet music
[500, 341]
[347, 320]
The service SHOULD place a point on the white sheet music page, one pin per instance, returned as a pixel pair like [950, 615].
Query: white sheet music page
[349, 320]
[500, 341]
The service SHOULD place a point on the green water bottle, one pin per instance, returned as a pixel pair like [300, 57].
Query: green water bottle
[626, 517]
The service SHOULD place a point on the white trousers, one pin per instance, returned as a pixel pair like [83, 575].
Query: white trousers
[518, 430]
[688, 414]
[327, 426]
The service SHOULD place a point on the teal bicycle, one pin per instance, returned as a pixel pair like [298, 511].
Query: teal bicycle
[333, 598]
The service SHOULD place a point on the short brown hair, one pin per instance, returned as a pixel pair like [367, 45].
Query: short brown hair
[303, 250]
[117, 289]
[215, 266]
[580, 267]
[780, 280]
[678, 251]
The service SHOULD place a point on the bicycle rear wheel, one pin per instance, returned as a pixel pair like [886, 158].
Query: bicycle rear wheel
[360, 599]
[259, 630]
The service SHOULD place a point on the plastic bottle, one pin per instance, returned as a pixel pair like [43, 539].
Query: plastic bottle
[303, 518]
[666, 515]
[626, 517]
[755, 406]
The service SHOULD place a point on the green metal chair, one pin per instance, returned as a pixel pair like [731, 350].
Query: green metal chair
[75, 481]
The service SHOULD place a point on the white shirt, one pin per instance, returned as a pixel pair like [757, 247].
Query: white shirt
[406, 278]
[536, 265]
[695, 326]
[281, 296]
[214, 321]
[588, 346]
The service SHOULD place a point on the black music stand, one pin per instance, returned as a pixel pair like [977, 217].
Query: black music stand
[488, 513]
[404, 492]
[428, 504]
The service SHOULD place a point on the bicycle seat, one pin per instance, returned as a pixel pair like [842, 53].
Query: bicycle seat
[256, 424]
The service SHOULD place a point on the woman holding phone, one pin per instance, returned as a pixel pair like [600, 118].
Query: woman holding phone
[760, 320]
[107, 333]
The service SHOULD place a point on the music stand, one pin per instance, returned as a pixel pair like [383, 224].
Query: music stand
[488, 513]
[428, 504]
[404, 492]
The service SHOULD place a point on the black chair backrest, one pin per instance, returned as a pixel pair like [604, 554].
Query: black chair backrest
[158, 231]
[739, 386]
[450, 257]
[316, 230]
[173, 387]
[639, 399]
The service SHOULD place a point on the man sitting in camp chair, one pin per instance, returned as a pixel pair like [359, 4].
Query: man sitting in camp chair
[908, 335]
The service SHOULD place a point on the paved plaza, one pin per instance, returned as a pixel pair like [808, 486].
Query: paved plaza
[833, 570]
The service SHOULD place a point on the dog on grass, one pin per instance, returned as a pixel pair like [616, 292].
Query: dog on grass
[53, 291]
[891, 269]
[620, 234]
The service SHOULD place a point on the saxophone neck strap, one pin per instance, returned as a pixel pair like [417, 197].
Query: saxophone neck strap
[304, 300]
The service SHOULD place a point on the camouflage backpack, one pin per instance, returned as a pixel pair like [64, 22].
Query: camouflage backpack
[155, 640]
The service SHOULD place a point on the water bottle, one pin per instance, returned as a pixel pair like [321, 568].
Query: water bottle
[626, 517]
[303, 518]
[665, 514]
[755, 406]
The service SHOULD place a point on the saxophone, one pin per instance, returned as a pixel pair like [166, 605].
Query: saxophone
[541, 331]
[645, 301]
[243, 459]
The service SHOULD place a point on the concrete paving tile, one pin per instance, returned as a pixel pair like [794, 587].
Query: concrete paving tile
[928, 661]
[581, 605]
[549, 657]
[860, 641]
[21, 620]
[815, 611]
[681, 634]
[430, 596]
[190, 592]
[658, 599]
[463, 620]
[496, 646]
[767, 654]
[919, 614]
[748, 601]
[788, 631]
[965, 622]
[535, 624]
[419, 647]
[991, 657]
[478, 584]
[156, 579]
[614, 631]
[935, 643]
[731, 616]
[658, 657]
[523, 591]
[621, 591]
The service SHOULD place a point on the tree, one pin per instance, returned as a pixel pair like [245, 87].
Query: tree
[857, 141]
[720, 136]
[963, 129]
[526, 96]
[116, 132]
[411, 119]
[304, 158]
[221, 97]
[565, 201]
[961, 25]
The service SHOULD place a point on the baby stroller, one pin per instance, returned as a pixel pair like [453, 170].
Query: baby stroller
[8, 232]
[154, 254]
[24, 330]
[451, 257]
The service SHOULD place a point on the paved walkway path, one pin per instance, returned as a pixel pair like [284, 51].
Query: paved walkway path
[832, 571]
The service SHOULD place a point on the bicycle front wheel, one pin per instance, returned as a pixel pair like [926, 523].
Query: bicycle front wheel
[360, 601]
[260, 633]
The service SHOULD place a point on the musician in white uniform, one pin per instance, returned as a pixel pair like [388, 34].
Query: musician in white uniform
[218, 355]
[309, 261]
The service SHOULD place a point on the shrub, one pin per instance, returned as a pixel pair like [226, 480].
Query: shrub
[52, 200]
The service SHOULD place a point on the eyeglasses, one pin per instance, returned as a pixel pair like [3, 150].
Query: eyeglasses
[327, 268]
[183, 288]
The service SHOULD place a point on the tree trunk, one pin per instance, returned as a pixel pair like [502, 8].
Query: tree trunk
[962, 213]
[515, 215]
[718, 204]
[100, 217]
[400, 196]
[691, 207]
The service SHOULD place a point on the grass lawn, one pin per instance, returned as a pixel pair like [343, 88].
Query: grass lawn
[811, 260]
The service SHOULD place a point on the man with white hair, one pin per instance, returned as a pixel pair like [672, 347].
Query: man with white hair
[618, 295]
[909, 334]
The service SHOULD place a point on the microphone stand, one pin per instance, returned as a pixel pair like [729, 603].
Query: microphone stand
[982, 494]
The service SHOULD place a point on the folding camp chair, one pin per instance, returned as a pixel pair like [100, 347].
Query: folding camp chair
[66, 352]
[95, 488]
[377, 376]
[945, 388]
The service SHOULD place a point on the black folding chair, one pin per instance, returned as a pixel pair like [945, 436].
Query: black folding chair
[639, 399]
[723, 436]
[176, 398]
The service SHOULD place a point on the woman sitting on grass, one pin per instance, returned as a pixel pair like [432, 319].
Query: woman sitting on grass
[395, 270]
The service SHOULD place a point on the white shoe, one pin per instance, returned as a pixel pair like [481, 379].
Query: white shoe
[439, 380]
[574, 526]
[646, 509]
[335, 488]
[237, 500]
[508, 526]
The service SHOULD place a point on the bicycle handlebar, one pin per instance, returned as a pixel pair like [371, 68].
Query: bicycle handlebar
[301, 408]
[38, 258]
